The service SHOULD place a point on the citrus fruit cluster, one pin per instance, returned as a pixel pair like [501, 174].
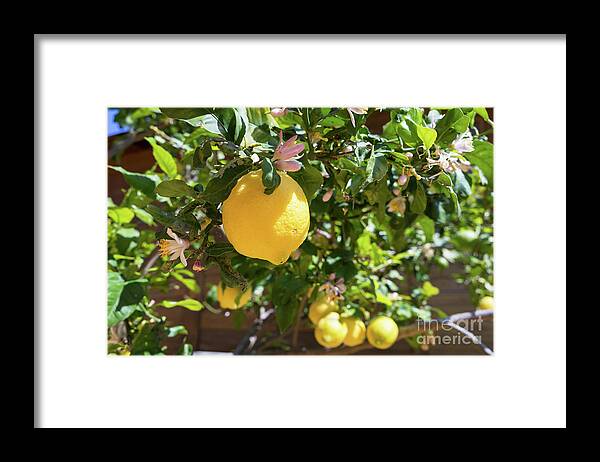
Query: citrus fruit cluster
[331, 330]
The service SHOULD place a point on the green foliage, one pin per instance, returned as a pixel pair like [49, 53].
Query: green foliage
[400, 203]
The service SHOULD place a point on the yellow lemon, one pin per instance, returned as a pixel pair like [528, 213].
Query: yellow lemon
[330, 331]
[382, 332]
[487, 303]
[227, 298]
[320, 307]
[357, 332]
[266, 226]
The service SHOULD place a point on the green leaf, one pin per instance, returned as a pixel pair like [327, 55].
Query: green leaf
[482, 112]
[427, 135]
[123, 297]
[377, 167]
[176, 330]
[115, 287]
[188, 303]
[285, 294]
[164, 217]
[142, 215]
[189, 282]
[419, 201]
[133, 292]
[444, 179]
[126, 239]
[447, 122]
[218, 189]
[461, 184]
[121, 215]
[346, 164]
[122, 313]
[174, 188]
[163, 158]
[270, 177]
[429, 290]
[332, 122]
[428, 226]
[184, 113]
[462, 124]
[231, 124]
[310, 180]
[482, 157]
[139, 181]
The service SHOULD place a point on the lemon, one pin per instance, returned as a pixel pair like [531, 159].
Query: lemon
[227, 298]
[330, 331]
[357, 332]
[486, 303]
[266, 226]
[320, 307]
[382, 332]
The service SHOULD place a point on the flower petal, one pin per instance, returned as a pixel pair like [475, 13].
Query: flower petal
[182, 258]
[173, 235]
[286, 153]
[352, 118]
[288, 165]
[292, 140]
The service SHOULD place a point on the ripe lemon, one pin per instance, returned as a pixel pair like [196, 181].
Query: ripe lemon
[330, 331]
[227, 298]
[357, 332]
[487, 303]
[382, 332]
[266, 226]
[320, 307]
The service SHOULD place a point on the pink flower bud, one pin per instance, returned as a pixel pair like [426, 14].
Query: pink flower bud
[327, 195]
[279, 111]
[402, 180]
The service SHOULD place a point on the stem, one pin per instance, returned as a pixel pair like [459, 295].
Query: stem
[297, 326]
[150, 262]
[306, 121]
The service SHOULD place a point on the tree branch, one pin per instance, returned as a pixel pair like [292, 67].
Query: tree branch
[249, 339]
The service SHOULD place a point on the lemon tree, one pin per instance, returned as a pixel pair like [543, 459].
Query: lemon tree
[332, 219]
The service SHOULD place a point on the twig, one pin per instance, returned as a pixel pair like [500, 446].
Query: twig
[249, 339]
[150, 262]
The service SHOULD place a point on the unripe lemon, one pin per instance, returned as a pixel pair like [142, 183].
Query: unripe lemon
[227, 297]
[357, 332]
[382, 332]
[330, 331]
[486, 303]
[266, 226]
[320, 307]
